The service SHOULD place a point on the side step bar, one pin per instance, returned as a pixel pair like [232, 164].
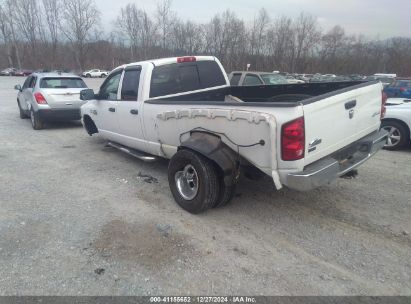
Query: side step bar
[137, 154]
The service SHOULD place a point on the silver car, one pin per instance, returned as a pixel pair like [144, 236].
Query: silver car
[50, 97]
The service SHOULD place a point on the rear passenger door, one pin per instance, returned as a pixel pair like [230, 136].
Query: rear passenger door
[130, 110]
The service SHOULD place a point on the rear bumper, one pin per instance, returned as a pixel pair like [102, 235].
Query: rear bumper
[328, 169]
[59, 114]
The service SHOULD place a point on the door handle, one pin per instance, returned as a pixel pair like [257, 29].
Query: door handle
[350, 104]
[112, 109]
[134, 112]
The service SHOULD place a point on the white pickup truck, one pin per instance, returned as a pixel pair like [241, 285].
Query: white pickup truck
[184, 109]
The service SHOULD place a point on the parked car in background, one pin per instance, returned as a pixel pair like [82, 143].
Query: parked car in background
[23, 73]
[322, 78]
[400, 88]
[246, 78]
[292, 79]
[304, 77]
[8, 72]
[95, 73]
[50, 97]
[385, 80]
[397, 123]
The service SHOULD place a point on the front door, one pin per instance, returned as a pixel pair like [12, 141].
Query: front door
[130, 110]
[106, 114]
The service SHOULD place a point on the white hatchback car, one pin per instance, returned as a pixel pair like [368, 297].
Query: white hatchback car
[50, 97]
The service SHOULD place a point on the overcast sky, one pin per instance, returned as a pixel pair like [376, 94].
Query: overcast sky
[373, 18]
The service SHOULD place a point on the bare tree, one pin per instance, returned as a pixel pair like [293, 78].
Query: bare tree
[28, 22]
[165, 19]
[79, 18]
[52, 12]
[6, 33]
[259, 32]
[139, 29]
[10, 14]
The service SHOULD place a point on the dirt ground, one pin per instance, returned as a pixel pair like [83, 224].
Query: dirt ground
[79, 218]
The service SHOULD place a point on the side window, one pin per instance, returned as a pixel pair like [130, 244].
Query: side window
[251, 80]
[33, 82]
[27, 83]
[235, 79]
[131, 80]
[109, 89]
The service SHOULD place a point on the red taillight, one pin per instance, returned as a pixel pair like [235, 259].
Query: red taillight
[186, 59]
[40, 98]
[293, 140]
[383, 102]
[403, 89]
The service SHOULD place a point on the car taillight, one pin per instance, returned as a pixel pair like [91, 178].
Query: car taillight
[186, 59]
[293, 140]
[40, 98]
[383, 102]
[403, 89]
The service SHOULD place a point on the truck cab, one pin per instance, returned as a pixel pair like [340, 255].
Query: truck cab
[118, 107]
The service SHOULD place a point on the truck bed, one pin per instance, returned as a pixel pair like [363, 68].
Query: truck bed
[265, 95]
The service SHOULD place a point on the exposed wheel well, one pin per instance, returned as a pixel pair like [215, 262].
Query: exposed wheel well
[89, 124]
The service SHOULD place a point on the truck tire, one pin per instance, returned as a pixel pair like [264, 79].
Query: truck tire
[398, 134]
[193, 181]
[226, 194]
[36, 122]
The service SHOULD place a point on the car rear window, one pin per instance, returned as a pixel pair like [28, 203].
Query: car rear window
[185, 77]
[404, 84]
[62, 83]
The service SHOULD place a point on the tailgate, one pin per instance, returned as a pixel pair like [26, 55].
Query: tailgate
[337, 119]
[63, 98]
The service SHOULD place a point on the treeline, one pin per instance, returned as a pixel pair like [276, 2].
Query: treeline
[66, 34]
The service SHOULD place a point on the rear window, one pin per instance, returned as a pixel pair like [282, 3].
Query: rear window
[184, 77]
[403, 84]
[62, 83]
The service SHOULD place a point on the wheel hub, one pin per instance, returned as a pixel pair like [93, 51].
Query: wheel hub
[187, 182]
[394, 136]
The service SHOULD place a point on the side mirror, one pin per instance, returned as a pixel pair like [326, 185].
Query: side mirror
[17, 87]
[87, 94]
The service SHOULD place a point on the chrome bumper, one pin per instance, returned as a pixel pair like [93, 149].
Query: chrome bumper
[328, 169]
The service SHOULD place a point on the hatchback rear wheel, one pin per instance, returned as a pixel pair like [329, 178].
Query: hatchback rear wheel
[36, 122]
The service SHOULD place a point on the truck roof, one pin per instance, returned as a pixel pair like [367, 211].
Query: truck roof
[164, 61]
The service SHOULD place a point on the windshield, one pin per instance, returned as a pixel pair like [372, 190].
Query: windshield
[62, 83]
[273, 79]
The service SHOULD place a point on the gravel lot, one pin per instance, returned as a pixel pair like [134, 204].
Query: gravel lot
[78, 218]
